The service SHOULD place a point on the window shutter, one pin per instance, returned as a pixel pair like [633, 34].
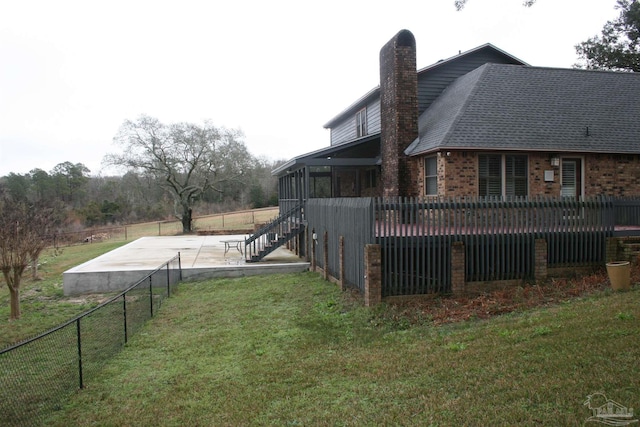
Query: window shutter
[569, 178]
[516, 175]
[490, 174]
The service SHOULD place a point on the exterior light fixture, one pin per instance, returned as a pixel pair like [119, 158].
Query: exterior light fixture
[555, 160]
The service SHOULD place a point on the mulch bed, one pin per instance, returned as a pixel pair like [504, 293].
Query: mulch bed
[448, 309]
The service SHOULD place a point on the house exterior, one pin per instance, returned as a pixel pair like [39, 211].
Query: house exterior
[478, 170]
[482, 123]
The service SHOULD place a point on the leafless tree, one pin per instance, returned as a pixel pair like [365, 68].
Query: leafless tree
[188, 159]
[24, 231]
[459, 4]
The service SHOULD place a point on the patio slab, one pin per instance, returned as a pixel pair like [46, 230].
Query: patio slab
[201, 257]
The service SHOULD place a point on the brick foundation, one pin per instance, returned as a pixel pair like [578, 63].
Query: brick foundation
[541, 259]
[373, 275]
[458, 262]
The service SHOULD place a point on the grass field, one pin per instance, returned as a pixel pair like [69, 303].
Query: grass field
[42, 301]
[43, 304]
[293, 350]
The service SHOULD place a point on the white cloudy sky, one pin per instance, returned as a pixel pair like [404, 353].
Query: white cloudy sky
[72, 71]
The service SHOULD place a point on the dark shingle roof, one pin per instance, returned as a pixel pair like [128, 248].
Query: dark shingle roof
[375, 92]
[514, 107]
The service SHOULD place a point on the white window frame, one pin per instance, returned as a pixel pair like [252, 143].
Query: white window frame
[361, 122]
[503, 173]
[430, 176]
[581, 178]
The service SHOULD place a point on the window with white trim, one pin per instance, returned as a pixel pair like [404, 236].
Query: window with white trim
[502, 175]
[431, 176]
[361, 123]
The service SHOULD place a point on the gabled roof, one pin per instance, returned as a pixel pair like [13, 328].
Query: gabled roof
[486, 46]
[375, 92]
[523, 108]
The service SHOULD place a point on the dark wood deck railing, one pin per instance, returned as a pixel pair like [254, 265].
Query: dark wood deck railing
[415, 236]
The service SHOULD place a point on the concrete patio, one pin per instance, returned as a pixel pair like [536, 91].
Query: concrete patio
[202, 257]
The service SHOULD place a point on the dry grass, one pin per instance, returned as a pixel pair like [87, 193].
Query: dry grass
[240, 221]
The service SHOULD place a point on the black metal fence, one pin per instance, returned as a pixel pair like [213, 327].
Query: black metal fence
[499, 236]
[38, 375]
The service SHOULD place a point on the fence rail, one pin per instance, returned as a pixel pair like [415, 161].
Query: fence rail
[39, 374]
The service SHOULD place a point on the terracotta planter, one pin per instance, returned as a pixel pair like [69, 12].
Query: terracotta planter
[619, 274]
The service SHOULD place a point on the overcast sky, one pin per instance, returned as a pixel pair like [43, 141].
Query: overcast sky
[72, 71]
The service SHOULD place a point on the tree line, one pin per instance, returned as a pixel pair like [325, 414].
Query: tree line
[169, 171]
[180, 180]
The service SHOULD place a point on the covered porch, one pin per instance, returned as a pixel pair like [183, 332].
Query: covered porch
[345, 170]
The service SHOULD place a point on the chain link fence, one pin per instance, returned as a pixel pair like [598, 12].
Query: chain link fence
[40, 374]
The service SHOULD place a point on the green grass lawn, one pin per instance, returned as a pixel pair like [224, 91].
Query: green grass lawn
[293, 350]
[43, 304]
[42, 301]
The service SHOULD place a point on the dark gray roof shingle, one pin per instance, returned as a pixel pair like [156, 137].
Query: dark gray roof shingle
[513, 107]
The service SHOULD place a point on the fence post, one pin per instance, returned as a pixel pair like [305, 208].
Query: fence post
[458, 267]
[151, 295]
[541, 261]
[325, 245]
[372, 275]
[79, 353]
[314, 242]
[341, 261]
[168, 280]
[124, 315]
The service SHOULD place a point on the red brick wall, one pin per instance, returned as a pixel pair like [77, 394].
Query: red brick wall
[604, 174]
[613, 175]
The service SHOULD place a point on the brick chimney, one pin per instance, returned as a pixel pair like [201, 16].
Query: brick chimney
[398, 113]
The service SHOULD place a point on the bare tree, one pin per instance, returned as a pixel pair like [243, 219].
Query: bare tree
[24, 230]
[459, 4]
[187, 158]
